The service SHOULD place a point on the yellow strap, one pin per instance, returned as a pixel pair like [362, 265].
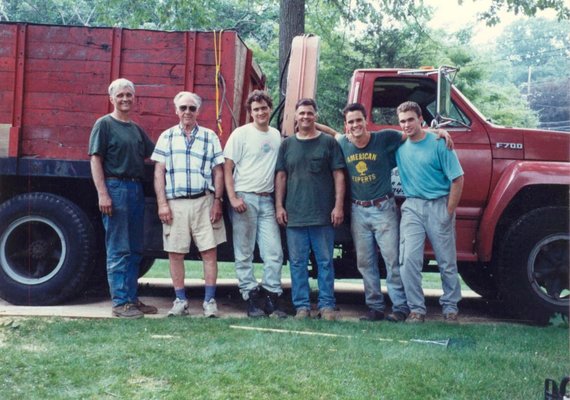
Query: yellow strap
[218, 59]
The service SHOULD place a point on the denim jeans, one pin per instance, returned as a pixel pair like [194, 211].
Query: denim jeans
[373, 227]
[299, 243]
[428, 217]
[257, 224]
[124, 234]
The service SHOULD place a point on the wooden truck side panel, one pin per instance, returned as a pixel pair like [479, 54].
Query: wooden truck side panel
[52, 93]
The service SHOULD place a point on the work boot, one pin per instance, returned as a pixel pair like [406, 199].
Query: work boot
[373, 315]
[146, 308]
[127, 310]
[272, 305]
[253, 310]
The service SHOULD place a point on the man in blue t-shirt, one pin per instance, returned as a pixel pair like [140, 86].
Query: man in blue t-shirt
[432, 180]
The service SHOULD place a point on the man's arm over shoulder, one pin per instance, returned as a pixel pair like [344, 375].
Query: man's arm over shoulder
[328, 130]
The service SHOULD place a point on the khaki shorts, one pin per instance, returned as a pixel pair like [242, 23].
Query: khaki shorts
[191, 220]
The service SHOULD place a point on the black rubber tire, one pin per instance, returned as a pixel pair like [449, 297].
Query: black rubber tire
[480, 279]
[46, 249]
[534, 265]
[146, 265]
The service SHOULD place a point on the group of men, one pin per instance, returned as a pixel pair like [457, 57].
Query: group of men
[298, 183]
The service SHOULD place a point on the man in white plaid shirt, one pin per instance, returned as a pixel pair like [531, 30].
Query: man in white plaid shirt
[189, 185]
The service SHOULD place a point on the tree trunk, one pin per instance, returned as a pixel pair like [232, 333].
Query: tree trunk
[291, 24]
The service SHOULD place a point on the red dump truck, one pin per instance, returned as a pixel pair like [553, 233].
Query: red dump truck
[53, 86]
[512, 222]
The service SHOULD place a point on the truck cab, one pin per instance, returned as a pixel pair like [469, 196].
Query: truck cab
[512, 221]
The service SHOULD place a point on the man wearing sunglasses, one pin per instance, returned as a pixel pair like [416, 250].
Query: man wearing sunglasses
[189, 185]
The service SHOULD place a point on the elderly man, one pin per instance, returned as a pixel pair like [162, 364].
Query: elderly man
[189, 185]
[309, 198]
[249, 170]
[118, 147]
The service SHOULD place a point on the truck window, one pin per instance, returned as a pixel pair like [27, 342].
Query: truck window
[455, 113]
[389, 93]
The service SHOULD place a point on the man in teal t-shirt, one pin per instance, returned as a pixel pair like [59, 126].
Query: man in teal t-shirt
[432, 180]
[309, 196]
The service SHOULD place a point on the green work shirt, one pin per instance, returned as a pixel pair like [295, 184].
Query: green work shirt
[309, 165]
[123, 147]
[370, 168]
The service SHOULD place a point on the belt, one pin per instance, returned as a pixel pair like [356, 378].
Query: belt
[123, 178]
[192, 196]
[264, 194]
[375, 202]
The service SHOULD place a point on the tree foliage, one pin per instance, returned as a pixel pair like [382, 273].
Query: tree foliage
[354, 33]
[523, 7]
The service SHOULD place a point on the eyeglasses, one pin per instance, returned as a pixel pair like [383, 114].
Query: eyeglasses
[189, 108]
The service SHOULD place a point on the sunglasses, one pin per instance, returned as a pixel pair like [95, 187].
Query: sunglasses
[189, 108]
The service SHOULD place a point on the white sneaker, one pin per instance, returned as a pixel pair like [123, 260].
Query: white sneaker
[210, 309]
[179, 308]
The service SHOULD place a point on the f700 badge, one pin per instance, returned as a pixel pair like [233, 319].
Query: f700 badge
[511, 146]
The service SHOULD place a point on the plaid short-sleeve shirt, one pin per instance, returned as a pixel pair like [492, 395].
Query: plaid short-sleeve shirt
[189, 161]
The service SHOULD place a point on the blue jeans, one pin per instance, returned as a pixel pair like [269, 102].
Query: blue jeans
[428, 217]
[299, 243]
[374, 227]
[257, 224]
[124, 234]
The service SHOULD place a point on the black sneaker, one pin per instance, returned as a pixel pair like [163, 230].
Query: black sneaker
[127, 310]
[272, 306]
[253, 309]
[396, 316]
[373, 315]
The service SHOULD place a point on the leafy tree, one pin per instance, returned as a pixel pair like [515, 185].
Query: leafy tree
[503, 104]
[524, 7]
[538, 51]
[538, 43]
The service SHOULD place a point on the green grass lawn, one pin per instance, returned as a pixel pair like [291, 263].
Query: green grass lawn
[197, 358]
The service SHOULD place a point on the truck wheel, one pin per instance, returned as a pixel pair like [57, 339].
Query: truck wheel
[46, 249]
[480, 279]
[146, 265]
[534, 265]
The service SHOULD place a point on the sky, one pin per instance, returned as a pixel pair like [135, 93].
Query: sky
[451, 16]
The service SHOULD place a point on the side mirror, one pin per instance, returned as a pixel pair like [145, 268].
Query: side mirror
[445, 78]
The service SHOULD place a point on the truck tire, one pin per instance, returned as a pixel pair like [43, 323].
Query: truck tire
[46, 249]
[534, 265]
[480, 279]
[146, 265]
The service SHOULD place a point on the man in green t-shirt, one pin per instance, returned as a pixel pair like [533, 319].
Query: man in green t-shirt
[118, 147]
[309, 196]
[370, 158]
